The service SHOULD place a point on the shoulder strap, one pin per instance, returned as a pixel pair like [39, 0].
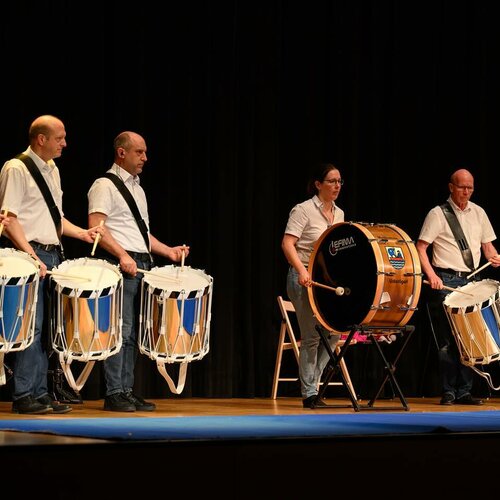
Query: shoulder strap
[451, 217]
[132, 205]
[51, 204]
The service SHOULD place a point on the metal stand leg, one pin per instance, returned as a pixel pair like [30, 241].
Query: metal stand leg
[333, 367]
[389, 367]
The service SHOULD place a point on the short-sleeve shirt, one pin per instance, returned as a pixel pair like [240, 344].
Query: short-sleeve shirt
[104, 197]
[475, 225]
[20, 195]
[307, 223]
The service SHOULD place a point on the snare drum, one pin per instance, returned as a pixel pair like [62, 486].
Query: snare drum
[378, 268]
[18, 298]
[473, 311]
[87, 305]
[175, 317]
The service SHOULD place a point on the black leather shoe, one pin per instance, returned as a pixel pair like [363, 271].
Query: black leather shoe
[30, 406]
[118, 402]
[56, 406]
[313, 402]
[468, 400]
[139, 403]
[447, 399]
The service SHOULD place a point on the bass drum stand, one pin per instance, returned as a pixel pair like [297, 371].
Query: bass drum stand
[333, 368]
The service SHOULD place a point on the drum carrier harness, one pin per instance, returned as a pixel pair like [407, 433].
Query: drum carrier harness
[120, 185]
[455, 226]
[47, 195]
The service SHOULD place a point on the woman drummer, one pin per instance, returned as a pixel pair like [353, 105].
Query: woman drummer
[306, 223]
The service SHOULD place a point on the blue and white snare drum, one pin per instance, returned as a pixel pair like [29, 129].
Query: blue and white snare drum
[473, 311]
[175, 318]
[19, 280]
[87, 313]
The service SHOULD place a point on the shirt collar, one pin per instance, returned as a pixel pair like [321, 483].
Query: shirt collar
[41, 164]
[319, 203]
[125, 176]
[457, 208]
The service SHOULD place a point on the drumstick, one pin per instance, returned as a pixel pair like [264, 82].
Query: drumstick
[158, 275]
[97, 238]
[4, 212]
[183, 256]
[65, 275]
[470, 275]
[339, 290]
[451, 289]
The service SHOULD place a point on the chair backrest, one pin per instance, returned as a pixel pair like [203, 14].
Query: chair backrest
[286, 307]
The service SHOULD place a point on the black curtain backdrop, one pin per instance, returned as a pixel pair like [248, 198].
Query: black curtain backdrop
[238, 100]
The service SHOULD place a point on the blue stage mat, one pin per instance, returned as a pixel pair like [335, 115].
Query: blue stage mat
[260, 426]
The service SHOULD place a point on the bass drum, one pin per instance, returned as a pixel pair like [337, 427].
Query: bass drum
[378, 268]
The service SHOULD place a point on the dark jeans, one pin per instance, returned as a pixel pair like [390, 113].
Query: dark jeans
[31, 364]
[456, 378]
[119, 368]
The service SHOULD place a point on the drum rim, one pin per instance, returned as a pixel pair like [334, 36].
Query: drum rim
[151, 282]
[83, 289]
[473, 306]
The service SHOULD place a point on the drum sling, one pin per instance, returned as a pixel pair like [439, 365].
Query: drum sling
[462, 243]
[47, 195]
[120, 185]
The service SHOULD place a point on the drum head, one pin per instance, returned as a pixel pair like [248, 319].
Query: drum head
[16, 264]
[343, 257]
[174, 278]
[86, 274]
[474, 293]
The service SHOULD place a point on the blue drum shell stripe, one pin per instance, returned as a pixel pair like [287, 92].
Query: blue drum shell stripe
[86, 294]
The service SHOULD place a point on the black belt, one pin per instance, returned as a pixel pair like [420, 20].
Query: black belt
[143, 257]
[48, 248]
[460, 274]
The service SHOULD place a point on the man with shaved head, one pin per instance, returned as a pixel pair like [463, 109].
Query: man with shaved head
[32, 229]
[128, 243]
[452, 262]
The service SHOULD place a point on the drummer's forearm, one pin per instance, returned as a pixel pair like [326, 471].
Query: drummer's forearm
[16, 234]
[489, 250]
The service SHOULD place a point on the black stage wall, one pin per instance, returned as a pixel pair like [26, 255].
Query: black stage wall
[237, 101]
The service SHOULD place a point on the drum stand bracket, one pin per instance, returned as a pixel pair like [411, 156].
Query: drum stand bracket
[332, 368]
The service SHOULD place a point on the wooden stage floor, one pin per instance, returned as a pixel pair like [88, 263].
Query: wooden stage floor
[179, 407]
[63, 467]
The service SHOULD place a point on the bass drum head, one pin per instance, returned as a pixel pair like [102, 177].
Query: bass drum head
[343, 257]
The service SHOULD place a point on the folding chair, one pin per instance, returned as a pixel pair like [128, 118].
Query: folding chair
[288, 340]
